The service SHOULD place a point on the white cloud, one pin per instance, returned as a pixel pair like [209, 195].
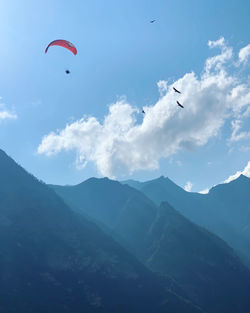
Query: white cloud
[5, 114]
[217, 43]
[236, 134]
[188, 186]
[244, 54]
[121, 145]
[162, 87]
[245, 172]
[205, 191]
[219, 60]
[246, 113]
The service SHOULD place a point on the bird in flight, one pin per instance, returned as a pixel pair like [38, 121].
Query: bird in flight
[67, 71]
[143, 111]
[176, 90]
[152, 21]
[180, 105]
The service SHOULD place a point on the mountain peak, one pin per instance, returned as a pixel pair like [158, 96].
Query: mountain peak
[55, 260]
[95, 180]
[241, 181]
[243, 177]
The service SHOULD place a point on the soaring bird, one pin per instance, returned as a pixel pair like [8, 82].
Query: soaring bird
[67, 71]
[180, 105]
[143, 111]
[176, 90]
[152, 21]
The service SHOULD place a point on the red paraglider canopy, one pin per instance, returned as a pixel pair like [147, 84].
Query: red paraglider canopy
[63, 43]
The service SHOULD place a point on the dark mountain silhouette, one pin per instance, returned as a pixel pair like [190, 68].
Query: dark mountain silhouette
[225, 210]
[54, 260]
[204, 266]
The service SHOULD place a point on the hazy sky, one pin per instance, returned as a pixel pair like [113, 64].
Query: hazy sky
[66, 128]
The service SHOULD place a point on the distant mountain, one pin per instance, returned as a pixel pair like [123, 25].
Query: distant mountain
[225, 210]
[202, 264]
[124, 210]
[55, 261]
[161, 189]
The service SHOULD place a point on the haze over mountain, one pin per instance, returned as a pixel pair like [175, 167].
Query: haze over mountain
[124, 210]
[225, 210]
[205, 267]
[54, 260]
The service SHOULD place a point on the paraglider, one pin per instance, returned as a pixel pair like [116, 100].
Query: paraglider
[176, 90]
[62, 43]
[65, 44]
[180, 105]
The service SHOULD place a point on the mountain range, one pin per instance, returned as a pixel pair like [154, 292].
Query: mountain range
[206, 268]
[225, 210]
[53, 259]
[104, 246]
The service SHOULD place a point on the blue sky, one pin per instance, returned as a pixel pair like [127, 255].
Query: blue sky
[120, 54]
